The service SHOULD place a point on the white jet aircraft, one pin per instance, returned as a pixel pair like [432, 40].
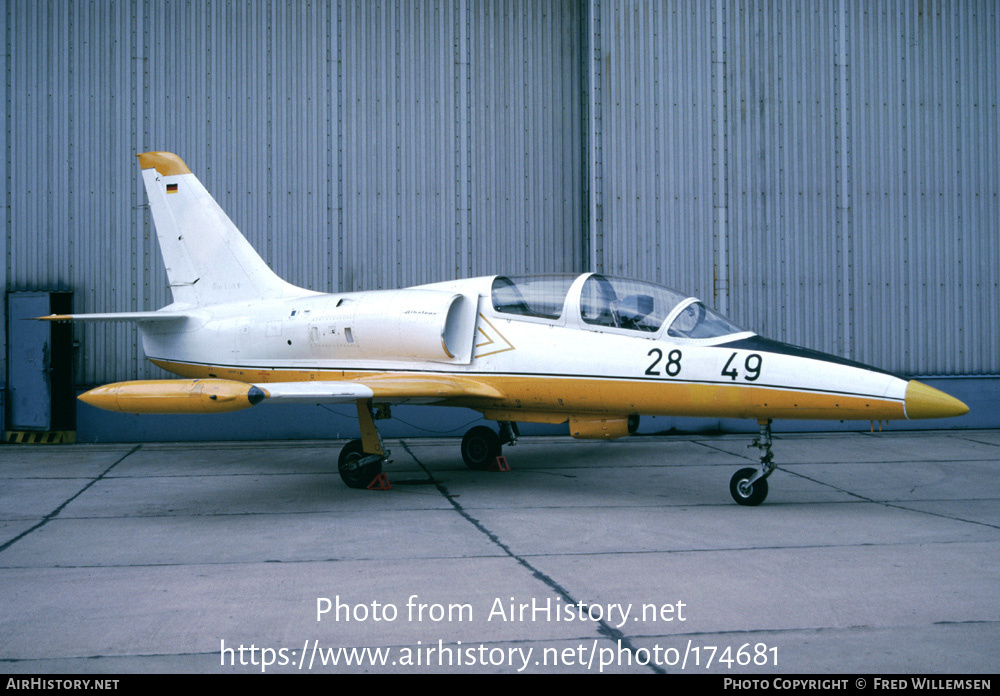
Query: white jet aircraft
[591, 350]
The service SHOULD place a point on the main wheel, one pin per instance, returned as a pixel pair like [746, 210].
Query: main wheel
[747, 495]
[353, 473]
[480, 447]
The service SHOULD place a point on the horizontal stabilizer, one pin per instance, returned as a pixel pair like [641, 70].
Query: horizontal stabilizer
[119, 316]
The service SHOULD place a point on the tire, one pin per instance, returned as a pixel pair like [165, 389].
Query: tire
[757, 492]
[480, 447]
[353, 475]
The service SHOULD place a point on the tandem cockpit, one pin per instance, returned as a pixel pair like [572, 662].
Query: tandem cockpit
[610, 304]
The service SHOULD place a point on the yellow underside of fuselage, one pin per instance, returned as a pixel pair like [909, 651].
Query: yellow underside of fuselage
[531, 398]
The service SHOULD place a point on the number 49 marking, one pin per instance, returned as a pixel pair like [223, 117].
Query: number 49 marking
[751, 367]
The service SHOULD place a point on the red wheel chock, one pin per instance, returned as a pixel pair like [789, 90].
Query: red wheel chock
[380, 483]
[499, 464]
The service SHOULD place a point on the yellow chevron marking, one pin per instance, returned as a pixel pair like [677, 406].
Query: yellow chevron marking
[490, 340]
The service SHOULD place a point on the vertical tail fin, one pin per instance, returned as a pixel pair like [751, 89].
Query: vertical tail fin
[208, 261]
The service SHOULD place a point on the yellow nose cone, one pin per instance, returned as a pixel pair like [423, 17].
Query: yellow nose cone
[927, 402]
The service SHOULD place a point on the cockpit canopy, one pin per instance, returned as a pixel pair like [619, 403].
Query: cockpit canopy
[531, 296]
[612, 303]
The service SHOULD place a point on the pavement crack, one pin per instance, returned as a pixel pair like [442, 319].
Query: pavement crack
[55, 513]
[969, 438]
[898, 506]
[741, 455]
[603, 628]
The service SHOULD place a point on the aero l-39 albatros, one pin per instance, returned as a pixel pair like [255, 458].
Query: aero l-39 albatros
[591, 350]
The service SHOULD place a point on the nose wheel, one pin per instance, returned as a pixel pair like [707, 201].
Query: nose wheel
[743, 491]
[749, 486]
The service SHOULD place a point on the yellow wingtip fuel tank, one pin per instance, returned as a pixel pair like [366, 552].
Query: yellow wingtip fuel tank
[175, 396]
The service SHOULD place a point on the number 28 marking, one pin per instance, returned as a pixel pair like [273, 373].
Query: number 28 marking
[672, 367]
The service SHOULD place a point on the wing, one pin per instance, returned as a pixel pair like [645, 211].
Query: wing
[389, 388]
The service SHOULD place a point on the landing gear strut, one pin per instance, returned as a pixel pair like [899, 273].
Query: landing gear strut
[749, 486]
[481, 445]
[361, 460]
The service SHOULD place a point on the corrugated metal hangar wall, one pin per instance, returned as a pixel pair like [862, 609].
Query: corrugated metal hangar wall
[825, 173]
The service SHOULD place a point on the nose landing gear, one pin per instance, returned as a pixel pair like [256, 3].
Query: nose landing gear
[749, 486]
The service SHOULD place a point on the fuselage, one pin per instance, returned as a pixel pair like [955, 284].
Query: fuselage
[551, 347]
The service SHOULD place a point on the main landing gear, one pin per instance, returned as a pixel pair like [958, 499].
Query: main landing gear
[358, 469]
[361, 460]
[481, 445]
[749, 486]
